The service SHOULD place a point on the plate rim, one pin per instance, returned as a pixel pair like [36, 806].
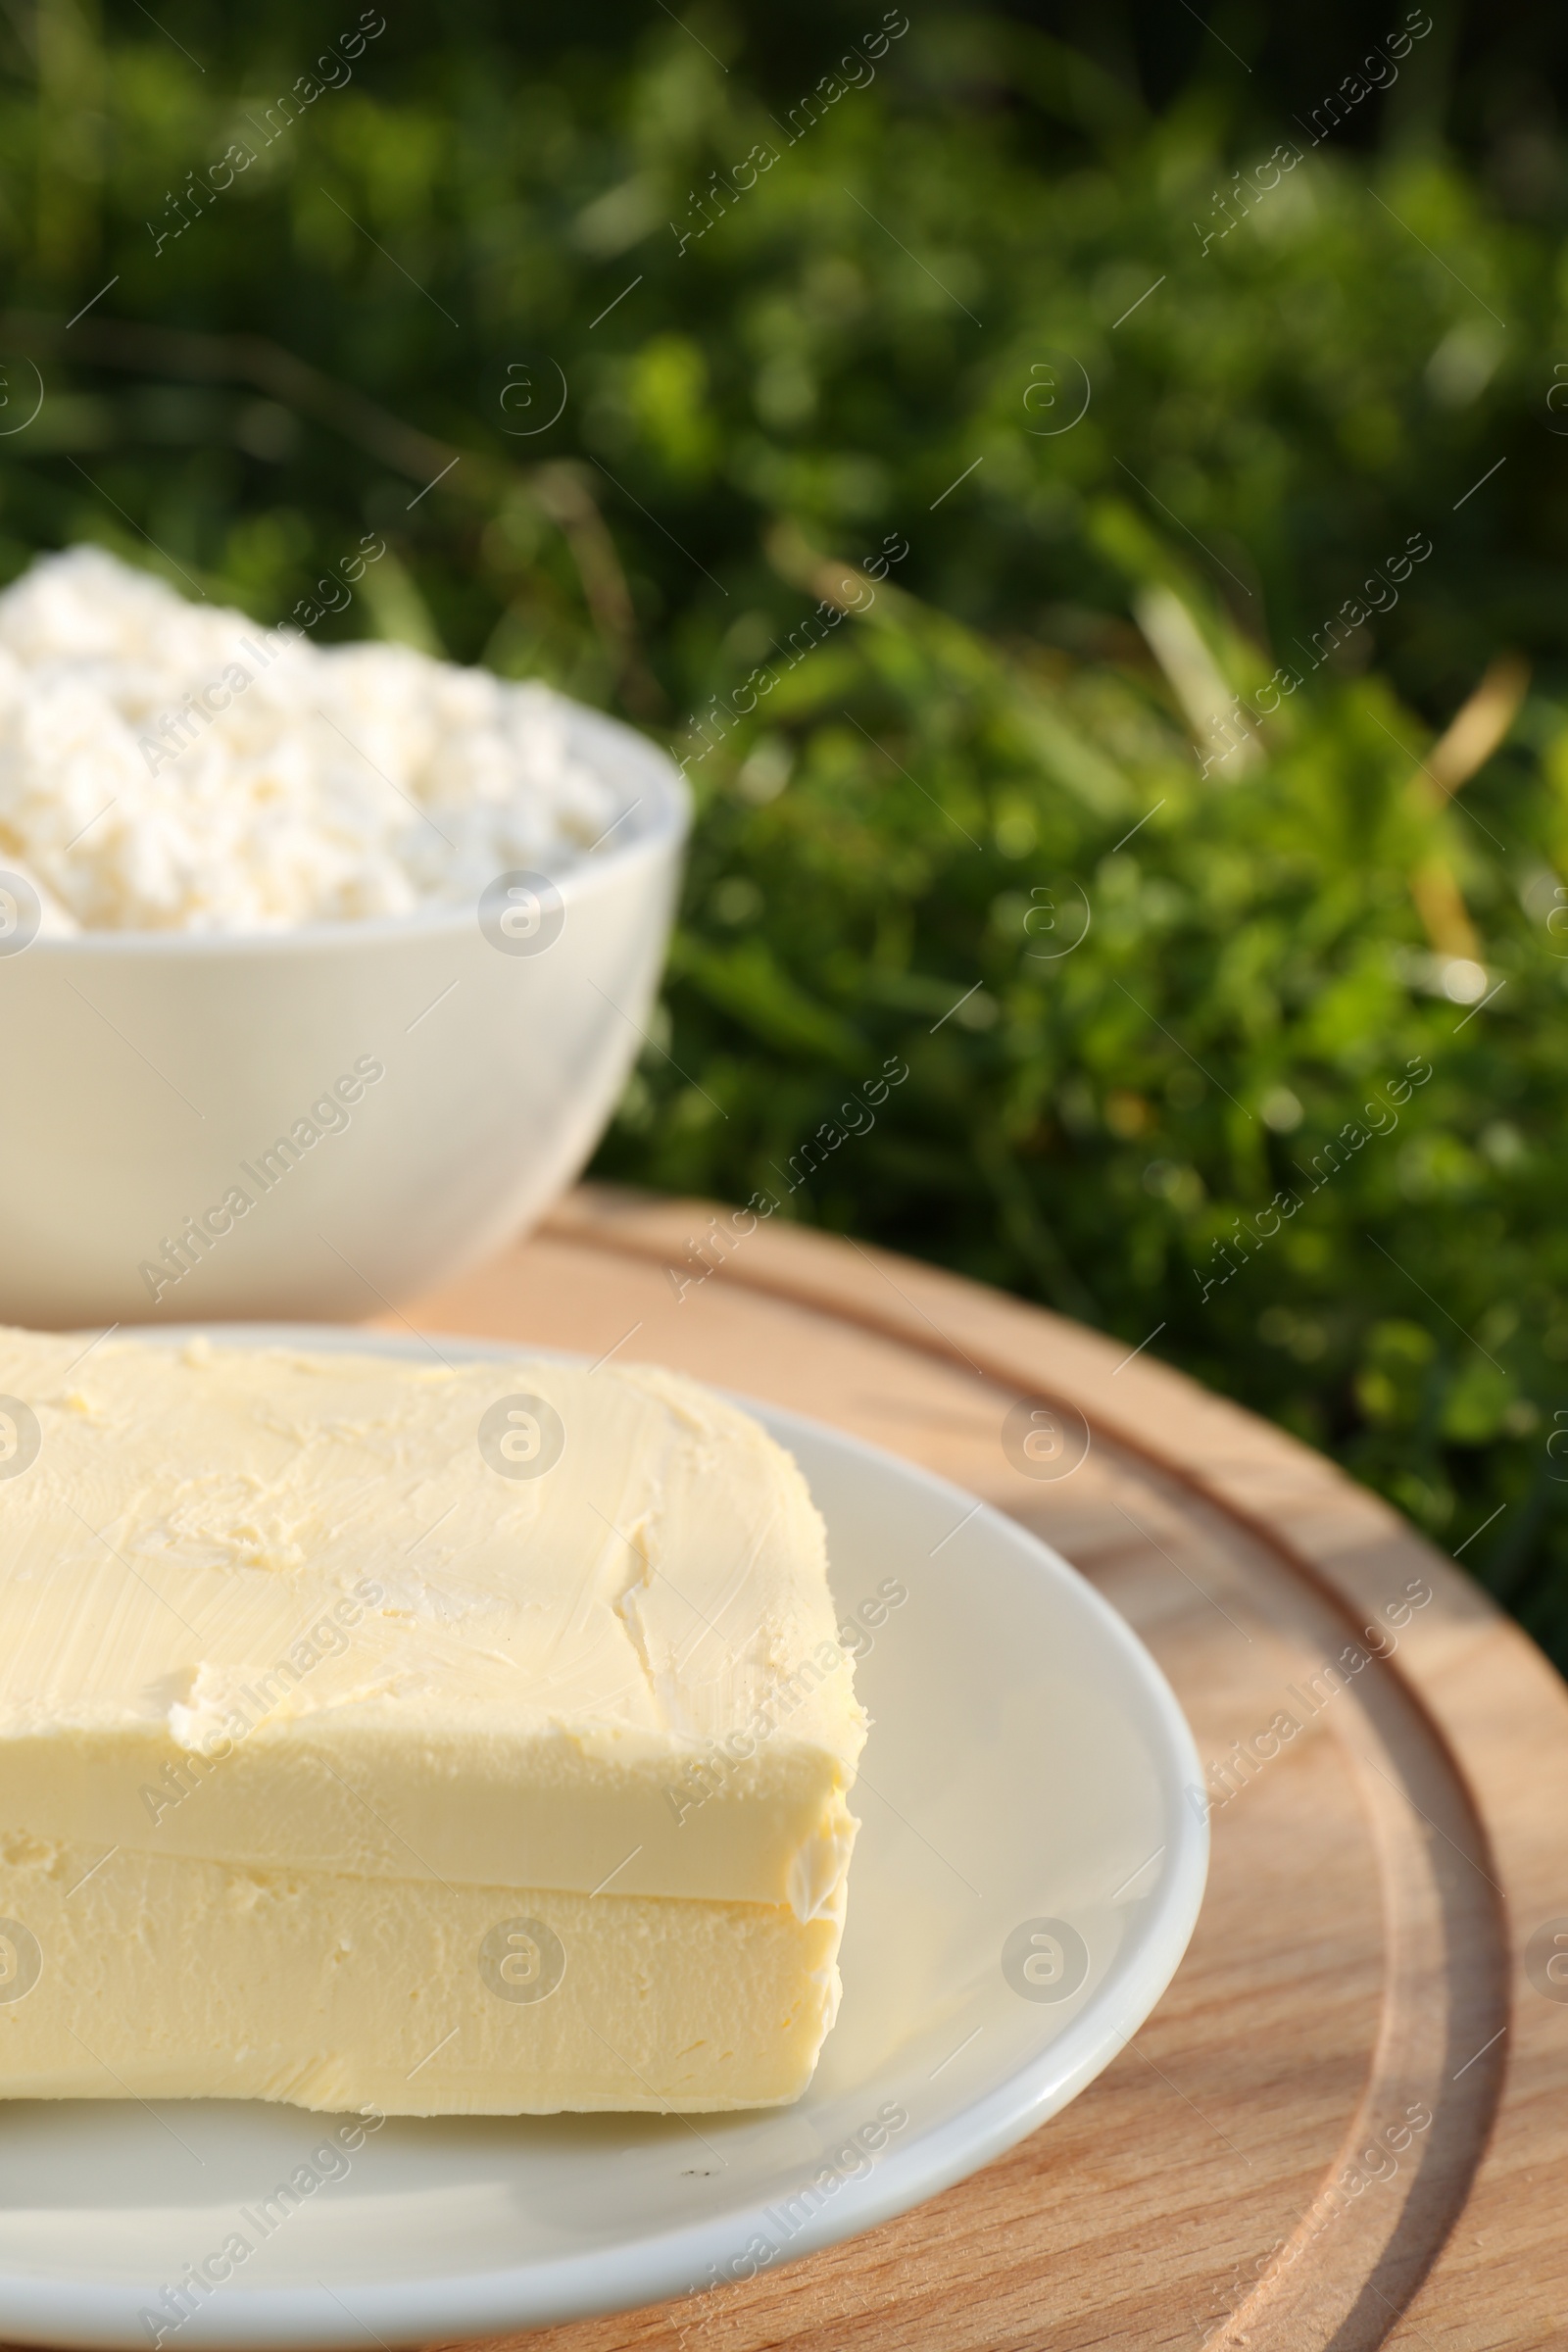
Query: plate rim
[660, 2267]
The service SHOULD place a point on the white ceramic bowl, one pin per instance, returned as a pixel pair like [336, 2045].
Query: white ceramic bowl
[148, 1075]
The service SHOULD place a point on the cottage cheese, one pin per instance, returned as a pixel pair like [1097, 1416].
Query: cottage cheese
[171, 765]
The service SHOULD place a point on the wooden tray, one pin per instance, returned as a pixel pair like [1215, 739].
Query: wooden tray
[1252, 2169]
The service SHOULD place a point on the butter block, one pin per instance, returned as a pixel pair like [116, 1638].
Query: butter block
[156, 1977]
[500, 1624]
[442, 1739]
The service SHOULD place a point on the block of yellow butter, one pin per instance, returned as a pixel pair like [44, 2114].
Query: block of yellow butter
[500, 1698]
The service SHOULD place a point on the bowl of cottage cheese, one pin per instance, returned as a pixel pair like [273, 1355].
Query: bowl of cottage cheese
[320, 968]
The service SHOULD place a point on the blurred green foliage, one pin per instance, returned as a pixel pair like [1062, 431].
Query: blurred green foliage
[1139, 1002]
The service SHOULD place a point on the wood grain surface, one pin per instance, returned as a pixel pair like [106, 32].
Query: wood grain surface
[1252, 2169]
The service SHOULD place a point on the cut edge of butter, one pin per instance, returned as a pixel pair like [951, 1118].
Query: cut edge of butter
[131, 1975]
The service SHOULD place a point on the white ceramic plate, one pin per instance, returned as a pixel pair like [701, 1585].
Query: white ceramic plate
[1025, 1882]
